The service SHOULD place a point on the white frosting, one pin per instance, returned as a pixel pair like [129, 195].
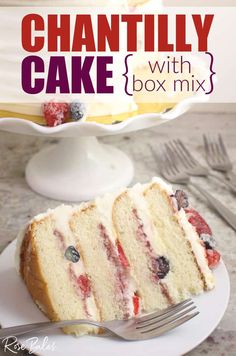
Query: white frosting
[104, 206]
[165, 186]
[62, 216]
[197, 247]
[136, 194]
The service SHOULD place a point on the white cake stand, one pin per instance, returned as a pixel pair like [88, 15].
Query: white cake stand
[79, 168]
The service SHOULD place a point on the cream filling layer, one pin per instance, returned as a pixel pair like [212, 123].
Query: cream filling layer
[189, 230]
[104, 206]
[62, 216]
[197, 248]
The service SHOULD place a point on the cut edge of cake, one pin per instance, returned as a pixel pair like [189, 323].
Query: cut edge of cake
[140, 256]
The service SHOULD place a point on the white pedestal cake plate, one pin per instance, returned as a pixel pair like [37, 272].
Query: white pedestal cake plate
[79, 168]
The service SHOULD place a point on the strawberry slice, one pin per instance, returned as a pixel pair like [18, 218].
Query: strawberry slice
[122, 256]
[213, 258]
[198, 222]
[84, 284]
[136, 304]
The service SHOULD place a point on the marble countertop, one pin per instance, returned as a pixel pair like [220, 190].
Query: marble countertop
[18, 203]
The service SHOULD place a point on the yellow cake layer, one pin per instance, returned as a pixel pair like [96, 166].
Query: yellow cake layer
[143, 108]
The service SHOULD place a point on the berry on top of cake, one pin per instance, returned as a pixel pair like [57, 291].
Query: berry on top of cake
[133, 251]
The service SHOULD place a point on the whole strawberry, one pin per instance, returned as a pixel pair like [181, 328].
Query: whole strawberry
[55, 113]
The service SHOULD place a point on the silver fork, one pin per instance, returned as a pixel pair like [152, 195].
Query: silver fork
[217, 156]
[191, 165]
[142, 328]
[171, 170]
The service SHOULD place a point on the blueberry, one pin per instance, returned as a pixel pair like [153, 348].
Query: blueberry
[208, 246]
[209, 241]
[77, 110]
[182, 199]
[163, 266]
[72, 254]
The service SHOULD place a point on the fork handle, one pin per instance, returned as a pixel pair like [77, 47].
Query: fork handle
[228, 184]
[231, 176]
[35, 327]
[222, 210]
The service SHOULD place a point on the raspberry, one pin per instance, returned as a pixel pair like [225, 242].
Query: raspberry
[55, 113]
[198, 222]
[122, 256]
[84, 285]
[136, 304]
[77, 110]
[213, 258]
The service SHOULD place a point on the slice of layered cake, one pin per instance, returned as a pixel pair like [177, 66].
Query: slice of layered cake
[117, 256]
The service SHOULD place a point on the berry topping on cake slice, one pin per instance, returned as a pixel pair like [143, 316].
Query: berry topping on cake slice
[205, 234]
[198, 222]
[122, 256]
[213, 257]
[136, 304]
[84, 285]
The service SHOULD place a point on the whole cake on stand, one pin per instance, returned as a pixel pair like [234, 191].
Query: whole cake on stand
[105, 110]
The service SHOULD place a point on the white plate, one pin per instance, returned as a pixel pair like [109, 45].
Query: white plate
[16, 307]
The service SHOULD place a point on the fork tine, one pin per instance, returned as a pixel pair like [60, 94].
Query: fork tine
[176, 150]
[165, 320]
[175, 313]
[164, 163]
[158, 313]
[210, 154]
[223, 150]
[169, 326]
[216, 153]
[222, 146]
[167, 166]
[171, 157]
[206, 146]
[209, 150]
[186, 153]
